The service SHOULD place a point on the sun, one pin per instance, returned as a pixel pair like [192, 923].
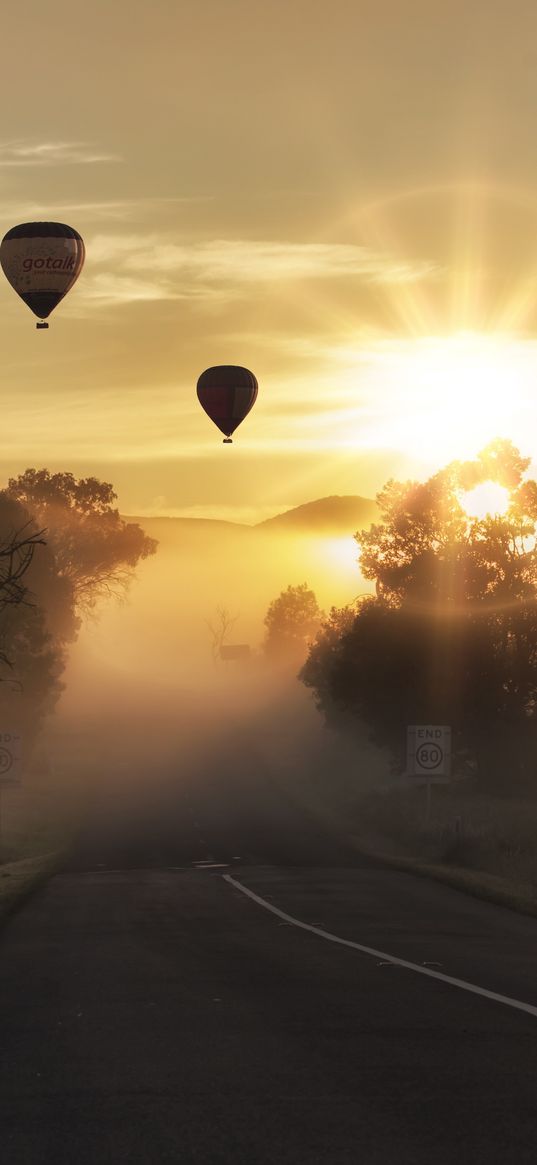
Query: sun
[487, 500]
[342, 553]
[441, 398]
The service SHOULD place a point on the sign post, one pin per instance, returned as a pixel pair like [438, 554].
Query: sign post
[10, 765]
[235, 652]
[429, 757]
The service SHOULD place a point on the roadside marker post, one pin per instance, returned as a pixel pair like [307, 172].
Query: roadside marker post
[428, 757]
[10, 766]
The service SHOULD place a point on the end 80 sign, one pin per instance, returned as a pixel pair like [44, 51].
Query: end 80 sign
[429, 752]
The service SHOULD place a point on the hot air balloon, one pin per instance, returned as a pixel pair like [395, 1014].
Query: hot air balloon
[42, 260]
[227, 393]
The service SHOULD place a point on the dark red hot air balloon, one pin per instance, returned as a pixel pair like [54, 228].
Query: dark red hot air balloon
[227, 393]
[42, 260]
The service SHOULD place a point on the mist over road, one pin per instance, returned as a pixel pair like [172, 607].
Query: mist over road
[151, 1012]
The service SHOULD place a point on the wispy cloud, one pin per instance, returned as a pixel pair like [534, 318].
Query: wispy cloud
[114, 210]
[106, 287]
[24, 153]
[227, 268]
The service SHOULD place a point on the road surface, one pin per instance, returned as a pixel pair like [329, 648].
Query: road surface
[152, 1012]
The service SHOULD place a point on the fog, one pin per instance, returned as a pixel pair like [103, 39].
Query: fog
[145, 707]
[154, 647]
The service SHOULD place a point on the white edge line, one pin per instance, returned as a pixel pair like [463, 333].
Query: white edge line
[462, 984]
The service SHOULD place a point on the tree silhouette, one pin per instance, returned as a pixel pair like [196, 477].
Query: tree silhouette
[16, 556]
[88, 552]
[292, 621]
[451, 634]
[219, 627]
[31, 657]
[93, 546]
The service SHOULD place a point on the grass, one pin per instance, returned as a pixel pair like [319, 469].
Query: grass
[38, 822]
[483, 845]
[37, 817]
[19, 879]
[493, 834]
[486, 846]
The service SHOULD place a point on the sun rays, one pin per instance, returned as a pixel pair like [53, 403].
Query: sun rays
[482, 251]
[437, 365]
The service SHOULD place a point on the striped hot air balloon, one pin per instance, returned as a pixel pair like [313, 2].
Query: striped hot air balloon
[227, 393]
[42, 260]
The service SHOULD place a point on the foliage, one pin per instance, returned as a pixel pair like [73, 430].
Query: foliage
[32, 659]
[451, 635]
[17, 549]
[85, 552]
[292, 621]
[16, 556]
[93, 546]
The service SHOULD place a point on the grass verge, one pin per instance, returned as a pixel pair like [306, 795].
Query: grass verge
[499, 835]
[489, 887]
[20, 879]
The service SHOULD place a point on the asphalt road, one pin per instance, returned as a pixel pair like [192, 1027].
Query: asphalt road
[151, 1012]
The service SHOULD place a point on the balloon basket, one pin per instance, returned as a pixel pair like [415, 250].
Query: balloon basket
[227, 441]
[41, 324]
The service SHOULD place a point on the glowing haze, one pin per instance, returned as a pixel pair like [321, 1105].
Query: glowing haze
[341, 197]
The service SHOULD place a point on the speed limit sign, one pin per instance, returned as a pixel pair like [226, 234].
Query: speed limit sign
[429, 752]
[10, 758]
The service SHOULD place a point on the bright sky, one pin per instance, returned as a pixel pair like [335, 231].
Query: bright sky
[340, 196]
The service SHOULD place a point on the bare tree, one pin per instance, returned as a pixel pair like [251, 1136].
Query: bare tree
[219, 627]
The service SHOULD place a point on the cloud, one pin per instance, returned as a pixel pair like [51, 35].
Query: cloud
[107, 288]
[228, 268]
[22, 153]
[95, 211]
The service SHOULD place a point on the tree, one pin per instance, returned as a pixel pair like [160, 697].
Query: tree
[17, 549]
[292, 621]
[93, 546]
[451, 634]
[219, 627]
[32, 659]
[16, 556]
[90, 553]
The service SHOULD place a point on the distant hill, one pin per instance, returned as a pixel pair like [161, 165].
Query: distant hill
[165, 528]
[332, 515]
[325, 516]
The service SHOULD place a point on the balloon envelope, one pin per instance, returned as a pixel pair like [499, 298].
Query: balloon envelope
[227, 393]
[42, 260]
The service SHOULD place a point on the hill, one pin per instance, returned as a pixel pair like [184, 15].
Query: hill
[326, 517]
[188, 530]
[332, 515]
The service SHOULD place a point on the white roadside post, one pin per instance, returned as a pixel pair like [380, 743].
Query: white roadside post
[10, 766]
[428, 757]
